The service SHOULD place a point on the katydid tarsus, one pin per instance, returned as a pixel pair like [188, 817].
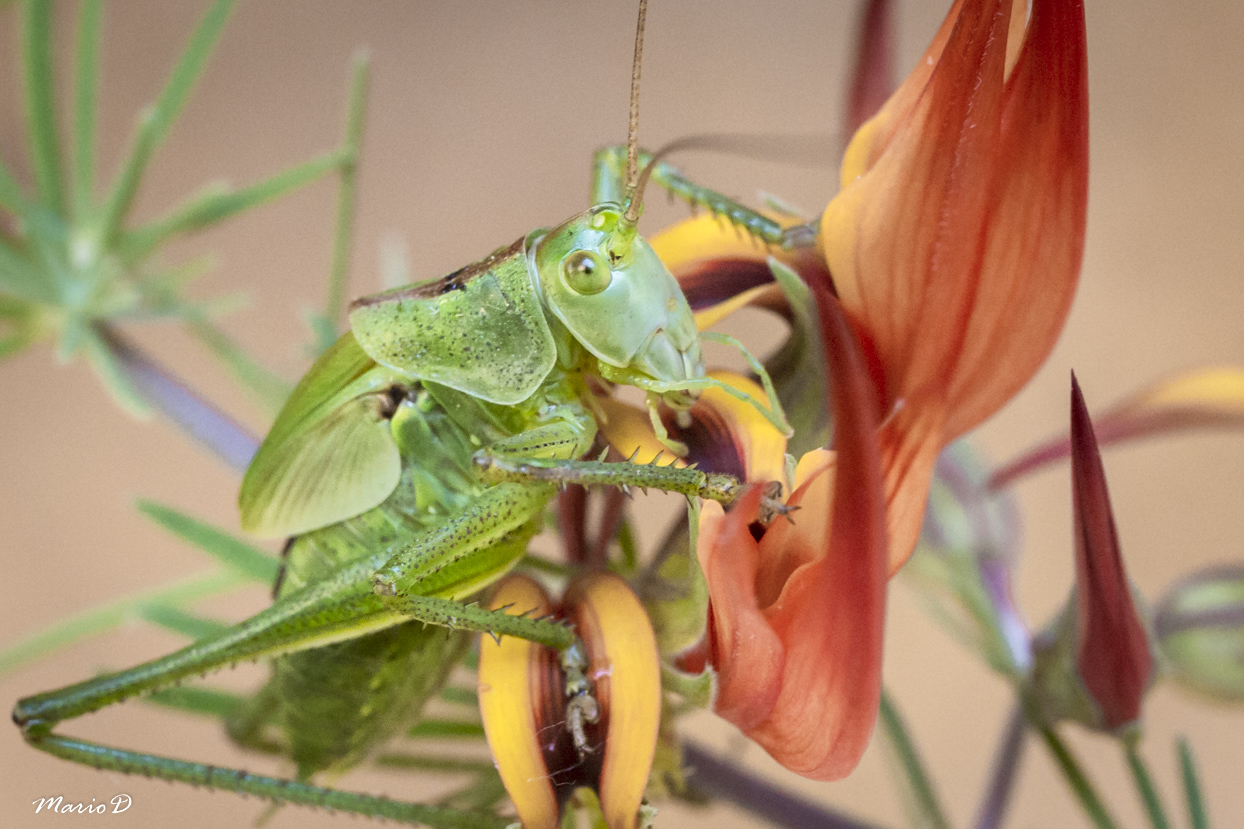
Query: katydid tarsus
[410, 468]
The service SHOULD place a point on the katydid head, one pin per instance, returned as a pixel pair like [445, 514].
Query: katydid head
[611, 292]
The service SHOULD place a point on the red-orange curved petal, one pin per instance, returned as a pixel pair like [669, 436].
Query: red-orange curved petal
[800, 614]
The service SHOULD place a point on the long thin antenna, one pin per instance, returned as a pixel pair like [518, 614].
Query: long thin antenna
[632, 131]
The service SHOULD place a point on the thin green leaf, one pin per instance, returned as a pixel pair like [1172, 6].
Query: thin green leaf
[84, 107]
[338, 273]
[1144, 783]
[217, 203]
[1077, 779]
[483, 793]
[126, 185]
[433, 728]
[1197, 817]
[543, 565]
[923, 809]
[197, 700]
[20, 279]
[156, 120]
[11, 197]
[40, 102]
[460, 696]
[239, 556]
[10, 346]
[171, 617]
[110, 370]
[107, 617]
[432, 762]
[270, 388]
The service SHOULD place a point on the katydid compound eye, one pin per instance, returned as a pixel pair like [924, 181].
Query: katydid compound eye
[586, 272]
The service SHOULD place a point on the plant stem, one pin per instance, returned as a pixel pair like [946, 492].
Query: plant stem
[1192, 787]
[993, 805]
[1144, 783]
[84, 104]
[922, 799]
[187, 410]
[718, 778]
[1077, 779]
[40, 106]
[98, 620]
[340, 268]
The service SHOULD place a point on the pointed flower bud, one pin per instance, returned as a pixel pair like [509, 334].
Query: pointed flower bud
[1095, 665]
[1113, 654]
[587, 718]
[1200, 632]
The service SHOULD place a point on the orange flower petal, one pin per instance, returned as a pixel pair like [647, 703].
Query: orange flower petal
[798, 667]
[831, 614]
[745, 652]
[1035, 230]
[910, 440]
[903, 240]
[871, 139]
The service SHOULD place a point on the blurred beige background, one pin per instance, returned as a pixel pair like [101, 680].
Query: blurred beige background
[480, 127]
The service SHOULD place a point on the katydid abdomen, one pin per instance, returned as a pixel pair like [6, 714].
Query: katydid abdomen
[337, 704]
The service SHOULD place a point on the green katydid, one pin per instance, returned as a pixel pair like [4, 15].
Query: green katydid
[412, 465]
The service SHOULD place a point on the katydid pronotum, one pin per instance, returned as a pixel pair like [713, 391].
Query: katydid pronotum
[412, 465]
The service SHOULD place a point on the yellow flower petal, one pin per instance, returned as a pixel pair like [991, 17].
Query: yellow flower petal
[625, 668]
[507, 705]
[629, 430]
[709, 317]
[762, 445]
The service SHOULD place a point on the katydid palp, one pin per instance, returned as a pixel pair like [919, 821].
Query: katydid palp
[412, 465]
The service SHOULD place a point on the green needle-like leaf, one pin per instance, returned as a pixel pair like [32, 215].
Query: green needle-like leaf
[197, 700]
[239, 556]
[437, 763]
[437, 729]
[338, 273]
[1144, 783]
[10, 194]
[217, 203]
[460, 696]
[107, 617]
[40, 103]
[110, 370]
[84, 105]
[171, 617]
[156, 120]
[1197, 817]
[1076, 778]
[270, 388]
[11, 345]
[20, 279]
[923, 809]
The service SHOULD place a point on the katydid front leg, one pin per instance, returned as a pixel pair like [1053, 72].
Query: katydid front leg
[502, 468]
[609, 180]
